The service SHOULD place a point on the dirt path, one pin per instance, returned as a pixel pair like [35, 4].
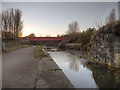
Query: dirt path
[19, 68]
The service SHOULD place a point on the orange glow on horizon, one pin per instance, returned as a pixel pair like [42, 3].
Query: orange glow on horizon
[38, 34]
[39, 31]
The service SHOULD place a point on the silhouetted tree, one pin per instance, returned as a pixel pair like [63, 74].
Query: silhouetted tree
[31, 35]
[73, 28]
[111, 17]
[73, 31]
[11, 24]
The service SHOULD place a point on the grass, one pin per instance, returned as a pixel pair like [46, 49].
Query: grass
[39, 53]
[55, 69]
[15, 48]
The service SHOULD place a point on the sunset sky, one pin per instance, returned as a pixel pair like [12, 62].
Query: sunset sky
[43, 18]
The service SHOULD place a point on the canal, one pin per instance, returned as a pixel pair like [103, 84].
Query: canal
[82, 74]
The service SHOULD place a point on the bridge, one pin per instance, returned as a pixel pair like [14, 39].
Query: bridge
[53, 41]
[45, 39]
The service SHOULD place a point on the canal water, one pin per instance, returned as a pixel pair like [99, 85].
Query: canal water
[82, 75]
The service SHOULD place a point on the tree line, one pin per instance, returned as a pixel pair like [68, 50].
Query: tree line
[11, 24]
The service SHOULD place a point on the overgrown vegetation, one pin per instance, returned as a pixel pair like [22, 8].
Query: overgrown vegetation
[85, 38]
[39, 53]
[82, 39]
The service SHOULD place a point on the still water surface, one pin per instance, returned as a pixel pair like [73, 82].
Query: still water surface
[84, 75]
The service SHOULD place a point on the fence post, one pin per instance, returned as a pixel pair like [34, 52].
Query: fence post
[3, 46]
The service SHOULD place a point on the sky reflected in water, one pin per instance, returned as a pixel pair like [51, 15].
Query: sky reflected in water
[81, 73]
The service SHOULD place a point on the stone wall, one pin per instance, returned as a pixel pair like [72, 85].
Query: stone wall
[105, 47]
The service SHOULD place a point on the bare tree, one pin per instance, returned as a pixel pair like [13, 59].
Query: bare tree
[11, 24]
[112, 16]
[73, 28]
[99, 24]
[4, 24]
[18, 24]
[73, 31]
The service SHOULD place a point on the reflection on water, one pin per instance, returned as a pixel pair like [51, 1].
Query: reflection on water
[104, 77]
[74, 63]
[84, 75]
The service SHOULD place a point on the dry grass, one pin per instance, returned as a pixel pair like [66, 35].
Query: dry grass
[15, 48]
[39, 53]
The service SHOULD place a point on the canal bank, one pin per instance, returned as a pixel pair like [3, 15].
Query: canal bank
[50, 75]
[82, 72]
[76, 47]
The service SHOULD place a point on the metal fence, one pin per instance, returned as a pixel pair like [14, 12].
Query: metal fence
[8, 44]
